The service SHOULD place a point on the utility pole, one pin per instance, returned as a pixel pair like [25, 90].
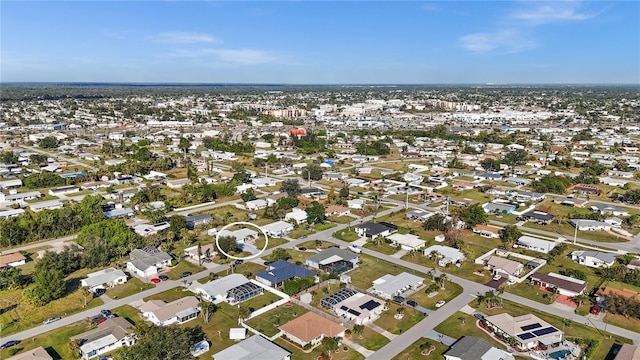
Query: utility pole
[575, 233]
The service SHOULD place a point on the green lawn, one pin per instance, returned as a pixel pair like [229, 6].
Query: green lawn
[268, 322]
[56, 342]
[273, 242]
[569, 231]
[170, 295]
[371, 268]
[341, 219]
[298, 354]
[454, 327]
[132, 286]
[370, 339]
[21, 314]
[389, 322]
[261, 301]
[346, 235]
[575, 330]
[184, 265]
[413, 351]
[300, 231]
[324, 226]
[383, 248]
[421, 297]
[128, 312]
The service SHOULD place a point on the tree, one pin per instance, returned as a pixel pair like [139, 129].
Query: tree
[312, 171]
[516, 157]
[329, 344]
[442, 279]
[208, 309]
[243, 312]
[48, 142]
[248, 195]
[344, 192]
[315, 213]
[580, 298]
[509, 235]
[184, 145]
[287, 202]
[474, 215]
[490, 164]
[280, 254]
[8, 157]
[358, 329]
[435, 222]
[228, 244]
[48, 285]
[162, 342]
[12, 278]
[177, 223]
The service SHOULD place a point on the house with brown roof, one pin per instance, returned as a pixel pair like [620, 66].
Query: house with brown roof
[564, 284]
[38, 353]
[179, 311]
[607, 291]
[504, 267]
[528, 331]
[628, 352]
[12, 260]
[110, 335]
[311, 328]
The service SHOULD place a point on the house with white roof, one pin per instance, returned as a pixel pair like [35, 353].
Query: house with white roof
[161, 313]
[446, 254]
[407, 242]
[278, 229]
[535, 244]
[242, 236]
[594, 259]
[256, 204]
[356, 204]
[104, 279]
[264, 182]
[389, 286]
[590, 225]
[255, 347]
[297, 215]
[146, 262]
[232, 289]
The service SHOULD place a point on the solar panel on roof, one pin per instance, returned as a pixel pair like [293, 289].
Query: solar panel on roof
[545, 331]
[351, 311]
[525, 336]
[370, 305]
[531, 327]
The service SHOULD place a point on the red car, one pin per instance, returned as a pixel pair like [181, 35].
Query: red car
[596, 309]
[155, 280]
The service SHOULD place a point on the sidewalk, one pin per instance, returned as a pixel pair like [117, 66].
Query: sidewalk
[381, 331]
[357, 347]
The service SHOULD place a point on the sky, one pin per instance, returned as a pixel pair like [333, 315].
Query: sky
[321, 42]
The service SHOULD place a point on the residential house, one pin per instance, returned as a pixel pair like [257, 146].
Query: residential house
[590, 225]
[110, 335]
[296, 215]
[355, 182]
[565, 285]
[603, 292]
[614, 221]
[496, 207]
[475, 348]
[594, 259]
[12, 260]
[177, 183]
[527, 331]
[445, 254]
[518, 181]
[264, 182]
[19, 197]
[524, 196]
[256, 204]
[538, 217]
[64, 190]
[119, 213]
[407, 242]
[199, 219]
[272, 199]
[389, 286]
[613, 182]
[375, 229]
[354, 306]
[280, 271]
[311, 328]
[206, 251]
[504, 267]
[104, 279]
[487, 231]
[628, 352]
[5, 214]
[233, 289]
[179, 311]
[253, 348]
[417, 214]
[358, 204]
[242, 236]
[606, 209]
[337, 210]
[586, 189]
[333, 260]
[146, 229]
[335, 176]
[6, 184]
[570, 201]
[278, 229]
[313, 193]
[146, 262]
[490, 176]
[535, 244]
[38, 353]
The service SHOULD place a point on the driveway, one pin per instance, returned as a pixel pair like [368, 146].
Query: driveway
[496, 283]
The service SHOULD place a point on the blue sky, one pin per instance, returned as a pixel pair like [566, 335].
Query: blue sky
[303, 42]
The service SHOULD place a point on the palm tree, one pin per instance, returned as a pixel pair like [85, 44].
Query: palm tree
[442, 279]
[580, 298]
[208, 309]
[243, 313]
[85, 292]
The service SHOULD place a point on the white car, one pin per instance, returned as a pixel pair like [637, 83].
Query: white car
[497, 277]
[511, 282]
[440, 303]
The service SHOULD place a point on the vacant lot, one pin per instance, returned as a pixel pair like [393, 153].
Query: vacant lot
[370, 339]
[268, 322]
[56, 342]
[184, 265]
[132, 286]
[389, 322]
[371, 268]
[414, 352]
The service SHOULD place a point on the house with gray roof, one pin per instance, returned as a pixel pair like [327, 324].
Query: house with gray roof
[594, 259]
[102, 279]
[146, 262]
[333, 260]
[255, 347]
[475, 348]
[389, 286]
[232, 289]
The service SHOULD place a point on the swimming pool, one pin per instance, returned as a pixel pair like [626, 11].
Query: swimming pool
[559, 354]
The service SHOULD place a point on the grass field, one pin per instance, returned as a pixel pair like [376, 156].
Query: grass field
[132, 286]
[184, 265]
[389, 322]
[370, 339]
[268, 322]
[56, 342]
[170, 295]
[383, 248]
[371, 268]
[261, 301]
[300, 231]
[413, 351]
[346, 235]
[421, 297]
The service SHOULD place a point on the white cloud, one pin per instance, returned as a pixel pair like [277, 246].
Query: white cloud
[508, 41]
[230, 56]
[551, 12]
[178, 37]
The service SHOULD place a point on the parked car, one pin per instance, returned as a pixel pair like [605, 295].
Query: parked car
[207, 260]
[238, 262]
[163, 277]
[99, 292]
[106, 313]
[51, 319]
[185, 274]
[478, 316]
[355, 248]
[440, 303]
[511, 282]
[398, 299]
[497, 277]
[303, 237]
[9, 344]
[412, 303]
[595, 310]
[302, 248]
[155, 280]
